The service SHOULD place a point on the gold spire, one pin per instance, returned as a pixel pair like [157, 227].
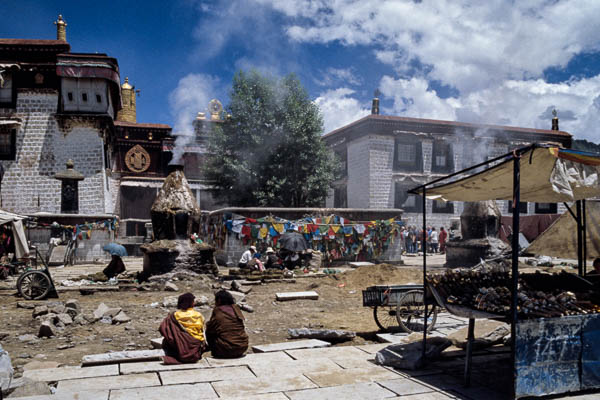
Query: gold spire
[126, 84]
[128, 112]
[61, 29]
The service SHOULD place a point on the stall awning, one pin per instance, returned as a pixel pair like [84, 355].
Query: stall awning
[548, 175]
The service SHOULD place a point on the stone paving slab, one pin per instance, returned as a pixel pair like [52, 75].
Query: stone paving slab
[350, 376]
[358, 391]
[122, 356]
[349, 363]
[249, 359]
[356, 264]
[197, 391]
[156, 366]
[404, 386]
[243, 387]
[64, 373]
[428, 396]
[109, 382]
[293, 368]
[296, 344]
[84, 395]
[343, 352]
[372, 348]
[205, 375]
[286, 296]
[263, 396]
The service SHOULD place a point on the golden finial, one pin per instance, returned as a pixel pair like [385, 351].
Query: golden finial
[61, 28]
[126, 84]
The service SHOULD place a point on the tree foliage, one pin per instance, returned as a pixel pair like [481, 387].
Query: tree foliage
[270, 152]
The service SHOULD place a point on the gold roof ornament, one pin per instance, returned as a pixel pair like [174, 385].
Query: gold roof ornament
[215, 108]
[126, 84]
[201, 116]
[61, 28]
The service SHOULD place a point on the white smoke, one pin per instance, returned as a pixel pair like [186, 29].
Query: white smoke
[192, 95]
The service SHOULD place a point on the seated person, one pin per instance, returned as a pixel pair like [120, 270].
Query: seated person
[272, 259]
[596, 265]
[247, 260]
[225, 332]
[115, 267]
[183, 333]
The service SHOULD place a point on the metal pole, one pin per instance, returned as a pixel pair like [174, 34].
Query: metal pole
[515, 260]
[579, 239]
[424, 272]
[469, 360]
[584, 236]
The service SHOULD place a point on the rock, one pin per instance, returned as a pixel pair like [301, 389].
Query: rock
[237, 296]
[99, 313]
[40, 365]
[3, 335]
[72, 308]
[51, 317]
[410, 355]
[121, 318]
[65, 318]
[24, 355]
[171, 287]
[487, 333]
[80, 320]
[58, 308]
[65, 346]
[39, 310]
[28, 338]
[201, 301]
[47, 329]
[31, 388]
[246, 308]
[323, 334]
[156, 343]
[170, 302]
[235, 285]
[25, 304]
[106, 320]
[111, 312]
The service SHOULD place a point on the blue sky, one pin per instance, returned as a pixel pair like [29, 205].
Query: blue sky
[503, 63]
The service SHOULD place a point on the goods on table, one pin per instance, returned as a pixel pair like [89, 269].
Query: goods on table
[539, 295]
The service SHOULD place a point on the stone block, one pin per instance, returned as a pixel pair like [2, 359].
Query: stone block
[64, 318]
[311, 295]
[156, 343]
[357, 391]
[292, 368]
[251, 359]
[171, 287]
[410, 356]
[83, 395]
[122, 356]
[239, 297]
[297, 344]
[32, 388]
[350, 376]
[252, 386]
[332, 353]
[39, 310]
[322, 334]
[487, 334]
[109, 382]
[121, 318]
[100, 311]
[356, 264]
[157, 366]
[196, 391]
[47, 329]
[263, 396]
[205, 375]
[404, 387]
[64, 373]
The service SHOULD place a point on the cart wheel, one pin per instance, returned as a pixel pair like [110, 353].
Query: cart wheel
[410, 310]
[385, 317]
[34, 285]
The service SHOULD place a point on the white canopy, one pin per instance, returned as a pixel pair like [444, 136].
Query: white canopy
[547, 175]
[16, 221]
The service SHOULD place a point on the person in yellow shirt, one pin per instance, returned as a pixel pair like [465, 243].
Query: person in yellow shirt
[183, 333]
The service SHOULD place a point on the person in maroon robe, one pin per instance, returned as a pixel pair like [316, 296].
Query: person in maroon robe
[443, 237]
[178, 344]
[225, 331]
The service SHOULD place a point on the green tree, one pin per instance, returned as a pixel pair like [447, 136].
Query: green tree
[270, 152]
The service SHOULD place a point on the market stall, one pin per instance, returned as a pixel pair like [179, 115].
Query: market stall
[550, 353]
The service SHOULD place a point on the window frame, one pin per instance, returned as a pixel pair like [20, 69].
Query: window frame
[12, 103]
[553, 209]
[522, 204]
[417, 166]
[11, 155]
[442, 148]
[448, 207]
[399, 188]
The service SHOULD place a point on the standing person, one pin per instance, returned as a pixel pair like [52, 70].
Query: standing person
[413, 233]
[443, 236]
[433, 240]
[183, 333]
[407, 240]
[225, 330]
[247, 259]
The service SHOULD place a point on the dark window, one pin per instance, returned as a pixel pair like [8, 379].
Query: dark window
[407, 202]
[546, 208]
[442, 207]
[6, 88]
[70, 96]
[84, 96]
[522, 207]
[340, 198]
[7, 143]
[98, 98]
[443, 157]
[408, 156]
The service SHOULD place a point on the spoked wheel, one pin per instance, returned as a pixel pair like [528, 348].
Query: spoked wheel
[385, 317]
[410, 311]
[34, 285]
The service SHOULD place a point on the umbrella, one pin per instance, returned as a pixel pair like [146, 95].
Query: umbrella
[115, 249]
[293, 241]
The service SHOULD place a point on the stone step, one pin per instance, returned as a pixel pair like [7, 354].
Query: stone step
[297, 296]
[297, 344]
[121, 356]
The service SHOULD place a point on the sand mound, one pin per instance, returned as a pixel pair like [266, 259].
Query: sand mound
[380, 274]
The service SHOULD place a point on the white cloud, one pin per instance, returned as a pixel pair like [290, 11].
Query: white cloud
[339, 108]
[333, 76]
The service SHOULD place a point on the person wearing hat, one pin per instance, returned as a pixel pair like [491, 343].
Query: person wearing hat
[183, 333]
[247, 260]
[272, 259]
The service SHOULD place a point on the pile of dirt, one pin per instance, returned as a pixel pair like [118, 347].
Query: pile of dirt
[380, 274]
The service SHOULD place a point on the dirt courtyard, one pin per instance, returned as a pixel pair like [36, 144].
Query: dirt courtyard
[339, 307]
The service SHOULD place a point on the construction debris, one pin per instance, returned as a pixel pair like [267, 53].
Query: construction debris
[330, 335]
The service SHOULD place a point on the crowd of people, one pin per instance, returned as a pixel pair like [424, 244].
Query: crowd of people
[417, 240]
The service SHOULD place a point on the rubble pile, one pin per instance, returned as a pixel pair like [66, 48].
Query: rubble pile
[539, 295]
